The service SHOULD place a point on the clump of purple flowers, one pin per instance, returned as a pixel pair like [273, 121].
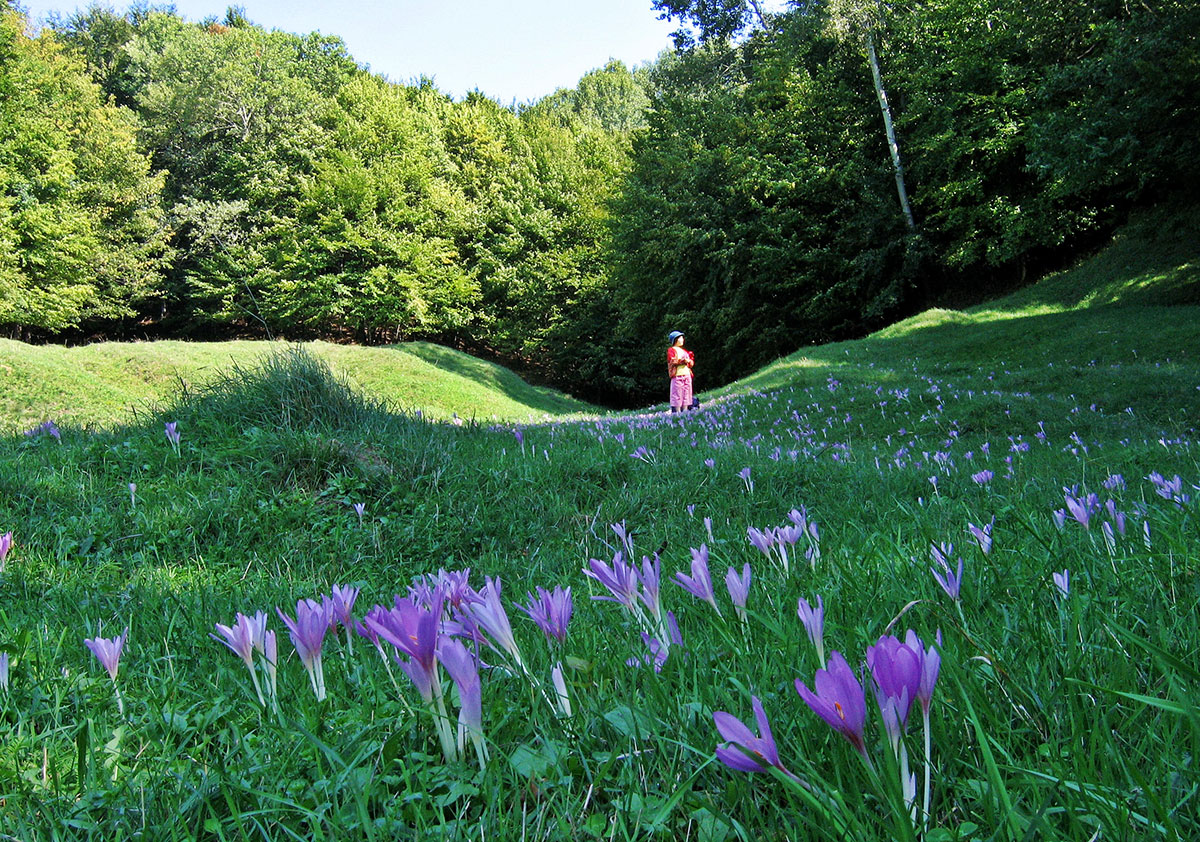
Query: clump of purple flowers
[46, 428]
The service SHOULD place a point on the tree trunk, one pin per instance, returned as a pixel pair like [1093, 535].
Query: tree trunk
[893, 144]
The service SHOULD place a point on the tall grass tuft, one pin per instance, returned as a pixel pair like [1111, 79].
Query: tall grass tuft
[289, 389]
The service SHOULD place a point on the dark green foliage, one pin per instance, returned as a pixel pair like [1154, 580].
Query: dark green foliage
[755, 218]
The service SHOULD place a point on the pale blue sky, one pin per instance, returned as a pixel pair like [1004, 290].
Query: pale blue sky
[510, 49]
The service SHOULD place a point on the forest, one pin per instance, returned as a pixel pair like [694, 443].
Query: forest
[776, 180]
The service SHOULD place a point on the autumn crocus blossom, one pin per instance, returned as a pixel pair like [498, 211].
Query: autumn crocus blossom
[551, 611]
[743, 749]
[699, 584]
[108, 651]
[839, 700]
[814, 624]
[896, 669]
[238, 637]
[342, 599]
[983, 534]
[620, 579]
[414, 631]
[1062, 581]
[950, 581]
[244, 637]
[739, 589]
[307, 632]
[464, 672]
[487, 612]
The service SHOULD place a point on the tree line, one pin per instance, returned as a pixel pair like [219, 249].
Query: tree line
[776, 180]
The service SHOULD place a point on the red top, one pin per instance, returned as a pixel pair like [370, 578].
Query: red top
[679, 361]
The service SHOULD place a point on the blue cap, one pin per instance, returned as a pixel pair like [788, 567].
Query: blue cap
[673, 335]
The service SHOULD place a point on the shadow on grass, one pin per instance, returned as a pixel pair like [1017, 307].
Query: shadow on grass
[492, 377]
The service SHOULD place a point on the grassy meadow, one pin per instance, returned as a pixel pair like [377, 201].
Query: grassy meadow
[1046, 443]
[108, 383]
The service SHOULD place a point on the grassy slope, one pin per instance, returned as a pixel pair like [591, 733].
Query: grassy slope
[1122, 327]
[100, 384]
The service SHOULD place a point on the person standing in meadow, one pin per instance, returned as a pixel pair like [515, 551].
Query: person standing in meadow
[679, 369]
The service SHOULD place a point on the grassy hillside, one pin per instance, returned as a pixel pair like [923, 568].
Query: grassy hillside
[992, 516]
[103, 384]
[1121, 329]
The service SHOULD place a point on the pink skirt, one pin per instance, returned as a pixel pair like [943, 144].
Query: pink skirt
[681, 392]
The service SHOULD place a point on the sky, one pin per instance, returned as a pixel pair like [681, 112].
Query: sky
[512, 50]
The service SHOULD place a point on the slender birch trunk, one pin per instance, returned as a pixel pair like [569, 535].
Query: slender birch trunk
[893, 144]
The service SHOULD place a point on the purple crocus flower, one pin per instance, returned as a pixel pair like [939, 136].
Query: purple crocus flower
[551, 611]
[788, 535]
[762, 539]
[454, 586]
[699, 584]
[246, 636]
[799, 517]
[896, 669]
[48, 428]
[172, 433]
[983, 477]
[624, 537]
[839, 700]
[744, 750]
[744, 473]
[464, 672]
[1062, 581]
[343, 598]
[3, 672]
[659, 648]
[307, 632]
[6, 542]
[650, 577]
[412, 629]
[1118, 516]
[487, 612]
[739, 589]
[1078, 509]
[950, 581]
[814, 624]
[983, 535]
[243, 637]
[931, 664]
[108, 651]
[620, 579]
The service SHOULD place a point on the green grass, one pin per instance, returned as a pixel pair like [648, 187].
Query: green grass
[1055, 717]
[106, 383]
